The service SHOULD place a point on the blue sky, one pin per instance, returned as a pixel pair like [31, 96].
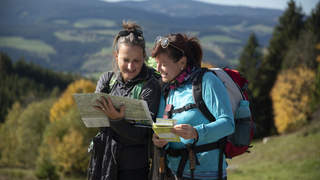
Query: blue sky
[307, 5]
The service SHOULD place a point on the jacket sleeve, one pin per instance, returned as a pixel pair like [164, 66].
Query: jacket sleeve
[217, 100]
[151, 94]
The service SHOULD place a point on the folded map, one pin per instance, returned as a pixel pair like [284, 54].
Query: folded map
[162, 127]
[135, 109]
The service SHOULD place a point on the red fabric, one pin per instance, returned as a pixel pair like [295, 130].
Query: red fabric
[237, 78]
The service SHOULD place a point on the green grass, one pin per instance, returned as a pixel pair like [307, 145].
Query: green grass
[78, 36]
[89, 23]
[61, 21]
[38, 47]
[216, 49]
[16, 174]
[261, 29]
[26, 174]
[291, 156]
[218, 39]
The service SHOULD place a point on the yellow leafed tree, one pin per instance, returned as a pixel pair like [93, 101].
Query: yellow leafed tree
[66, 138]
[65, 102]
[291, 96]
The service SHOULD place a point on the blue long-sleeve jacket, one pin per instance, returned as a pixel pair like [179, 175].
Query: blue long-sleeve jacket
[217, 100]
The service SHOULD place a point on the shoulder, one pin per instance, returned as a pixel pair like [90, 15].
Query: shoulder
[212, 83]
[210, 78]
[103, 81]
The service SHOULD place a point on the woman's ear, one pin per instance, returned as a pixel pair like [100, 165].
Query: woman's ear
[183, 62]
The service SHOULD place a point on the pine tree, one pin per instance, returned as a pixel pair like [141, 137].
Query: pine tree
[250, 60]
[286, 32]
[313, 22]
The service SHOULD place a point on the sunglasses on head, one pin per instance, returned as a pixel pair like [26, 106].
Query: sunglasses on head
[136, 32]
[165, 42]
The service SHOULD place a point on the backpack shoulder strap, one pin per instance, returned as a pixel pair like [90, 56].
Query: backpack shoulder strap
[197, 94]
[137, 89]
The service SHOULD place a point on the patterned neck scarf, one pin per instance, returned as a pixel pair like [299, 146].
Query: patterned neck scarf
[181, 78]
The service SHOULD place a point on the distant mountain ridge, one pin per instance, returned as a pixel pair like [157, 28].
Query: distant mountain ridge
[190, 8]
[76, 35]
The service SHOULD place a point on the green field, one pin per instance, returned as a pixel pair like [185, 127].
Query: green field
[292, 156]
[218, 39]
[35, 46]
[89, 23]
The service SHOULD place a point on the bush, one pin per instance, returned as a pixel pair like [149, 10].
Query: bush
[46, 170]
[291, 96]
[22, 133]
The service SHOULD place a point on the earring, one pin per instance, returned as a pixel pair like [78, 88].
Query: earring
[181, 68]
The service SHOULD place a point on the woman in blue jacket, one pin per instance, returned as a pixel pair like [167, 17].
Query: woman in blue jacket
[178, 60]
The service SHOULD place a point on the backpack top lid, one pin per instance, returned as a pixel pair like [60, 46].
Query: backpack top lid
[233, 89]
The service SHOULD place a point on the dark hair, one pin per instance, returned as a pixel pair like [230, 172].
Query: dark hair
[181, 45]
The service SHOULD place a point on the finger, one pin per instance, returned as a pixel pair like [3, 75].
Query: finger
[122, 110]
[110, 105]
[104, 102]
[97, 108]
[99, 103]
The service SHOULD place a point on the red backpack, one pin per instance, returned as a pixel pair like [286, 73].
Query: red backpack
[236, 85]
[234, 144]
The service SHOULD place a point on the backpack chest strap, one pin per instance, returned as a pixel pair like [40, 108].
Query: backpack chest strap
[184, 108]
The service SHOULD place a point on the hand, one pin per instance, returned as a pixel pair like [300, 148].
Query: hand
[105, 105]
[157, 141]
[185, 130]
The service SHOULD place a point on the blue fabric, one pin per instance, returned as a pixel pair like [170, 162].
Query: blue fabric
[217, 100]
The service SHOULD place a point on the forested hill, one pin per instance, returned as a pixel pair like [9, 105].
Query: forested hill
[76, 35]
[26, 82]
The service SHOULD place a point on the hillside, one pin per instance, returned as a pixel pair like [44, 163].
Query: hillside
[76, 35]
[292, 156]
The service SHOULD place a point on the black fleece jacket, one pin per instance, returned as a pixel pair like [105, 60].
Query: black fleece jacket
[126, 146]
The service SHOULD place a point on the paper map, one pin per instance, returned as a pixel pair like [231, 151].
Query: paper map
[136, 110]
[163, 127]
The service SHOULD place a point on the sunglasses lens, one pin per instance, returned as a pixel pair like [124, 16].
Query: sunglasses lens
[124, 33]
[164, 42]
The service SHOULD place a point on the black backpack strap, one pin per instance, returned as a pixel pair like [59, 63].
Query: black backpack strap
[184, 108]
[108, 85]
[197, 95]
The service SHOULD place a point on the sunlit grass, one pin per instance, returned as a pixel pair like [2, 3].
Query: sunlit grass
[88, 23]
[38, 47]
[98, 62]
[214, 48]
[260, 28]
[292, 156]
[105, 32]
[79, 36]
[61, 21]
[218, 39]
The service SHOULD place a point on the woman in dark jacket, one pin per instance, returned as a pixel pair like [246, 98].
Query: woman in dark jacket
[122, 151]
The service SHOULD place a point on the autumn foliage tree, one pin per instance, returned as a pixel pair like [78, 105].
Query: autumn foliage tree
[22, 133]
[291, 98]
[66, 139]
[62, 106]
